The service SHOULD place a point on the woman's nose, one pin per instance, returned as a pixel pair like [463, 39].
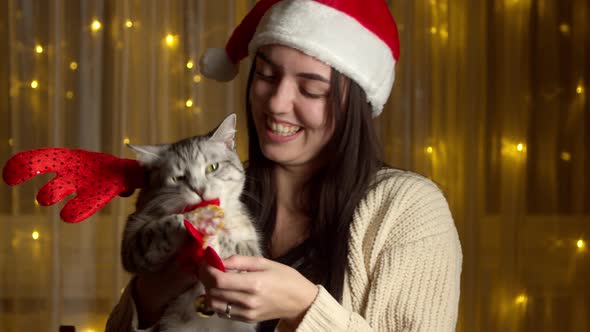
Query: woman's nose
[283, 98]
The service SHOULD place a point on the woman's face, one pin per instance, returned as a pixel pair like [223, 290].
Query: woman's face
[289, 97]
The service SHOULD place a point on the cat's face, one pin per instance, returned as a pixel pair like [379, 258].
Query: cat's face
[194, 169]
[201, 169]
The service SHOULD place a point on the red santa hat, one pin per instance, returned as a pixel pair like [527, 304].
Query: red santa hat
[356, 37]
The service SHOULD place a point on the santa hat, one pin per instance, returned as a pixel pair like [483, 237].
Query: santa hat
[356, 37]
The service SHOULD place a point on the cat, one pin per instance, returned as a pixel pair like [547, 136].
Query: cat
[182, 174]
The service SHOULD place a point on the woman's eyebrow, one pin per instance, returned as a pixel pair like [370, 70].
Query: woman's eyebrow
[313, 76]
[309, 76]
[264, 58]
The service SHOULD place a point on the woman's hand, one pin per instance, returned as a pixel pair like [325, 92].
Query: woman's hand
[153, 291]
[263, 290]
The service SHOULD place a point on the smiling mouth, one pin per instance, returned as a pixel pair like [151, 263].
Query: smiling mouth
[281, 129]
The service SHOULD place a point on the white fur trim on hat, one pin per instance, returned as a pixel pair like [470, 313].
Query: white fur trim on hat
[334, 38]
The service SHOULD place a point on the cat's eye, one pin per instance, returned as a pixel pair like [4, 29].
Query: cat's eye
[212, 168]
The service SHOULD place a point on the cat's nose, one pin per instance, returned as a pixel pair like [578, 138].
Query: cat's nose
[200, 191]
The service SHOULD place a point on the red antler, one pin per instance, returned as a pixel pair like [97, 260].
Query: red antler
[95, 178]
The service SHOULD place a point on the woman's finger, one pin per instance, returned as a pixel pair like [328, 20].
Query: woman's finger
[243, 299]
[246, 263]
[243, 282]
[230, 310]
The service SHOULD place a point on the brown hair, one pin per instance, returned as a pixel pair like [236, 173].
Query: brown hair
[333, 192]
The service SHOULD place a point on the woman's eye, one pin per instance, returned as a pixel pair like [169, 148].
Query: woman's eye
[212, 168]
[312, 95]
[265, 76]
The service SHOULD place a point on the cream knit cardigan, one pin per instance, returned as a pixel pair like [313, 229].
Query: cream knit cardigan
[404, 265]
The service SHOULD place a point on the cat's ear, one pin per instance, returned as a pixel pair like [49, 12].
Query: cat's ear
[226, 132]
[147, 155]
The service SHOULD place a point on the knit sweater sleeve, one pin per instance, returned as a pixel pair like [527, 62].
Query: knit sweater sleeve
[405, 264]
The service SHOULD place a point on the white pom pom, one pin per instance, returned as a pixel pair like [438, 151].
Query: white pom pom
[215, 64]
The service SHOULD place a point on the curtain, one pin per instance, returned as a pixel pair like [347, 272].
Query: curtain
[490, 102]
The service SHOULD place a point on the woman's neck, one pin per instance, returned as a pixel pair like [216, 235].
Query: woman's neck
[292, 223]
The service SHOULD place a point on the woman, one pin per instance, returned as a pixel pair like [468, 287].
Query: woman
[352, 245]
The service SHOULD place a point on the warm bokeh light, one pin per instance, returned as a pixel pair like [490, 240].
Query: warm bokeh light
[564, 28]
[73, 65]
[35, 235]
[580, 244]
[444, 34]
[189, 64]
[96, 25]
[126, 140]
[129, 23]
[197, 78]
[171, 40]
[10, 142]
[69, 94]
[580, 89]
[433, 30]
[34, 84]
[521, 299]
[189, 103]
[39, 49]
[520, 147]
[429, 150]
[566, 156]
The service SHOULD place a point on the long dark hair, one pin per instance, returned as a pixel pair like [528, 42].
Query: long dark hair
[331, 195]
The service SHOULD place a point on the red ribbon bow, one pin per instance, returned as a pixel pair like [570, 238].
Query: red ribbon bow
[194, 252]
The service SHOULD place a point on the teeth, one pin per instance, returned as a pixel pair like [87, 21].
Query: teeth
[282, 129]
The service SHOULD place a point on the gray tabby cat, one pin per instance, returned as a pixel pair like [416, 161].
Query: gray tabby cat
[183, 174]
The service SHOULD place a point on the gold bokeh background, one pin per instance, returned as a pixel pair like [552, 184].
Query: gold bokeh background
[490, 101]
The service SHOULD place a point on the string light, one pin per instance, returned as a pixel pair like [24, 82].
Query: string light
[96, 25]
[189, 103]
[520, 147]
[566, 156]
[10, 142]
[35, 235]
[129, 23]
[39, 49]
[197, 78]
[34, 84]
[521, 299]
[73, 65]
[170, 40]
[580, 244]
[580, 89]
[126, 141]
[69, 94]
[564, 28]
[189, 64]
[433, 30]
[444, 34]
